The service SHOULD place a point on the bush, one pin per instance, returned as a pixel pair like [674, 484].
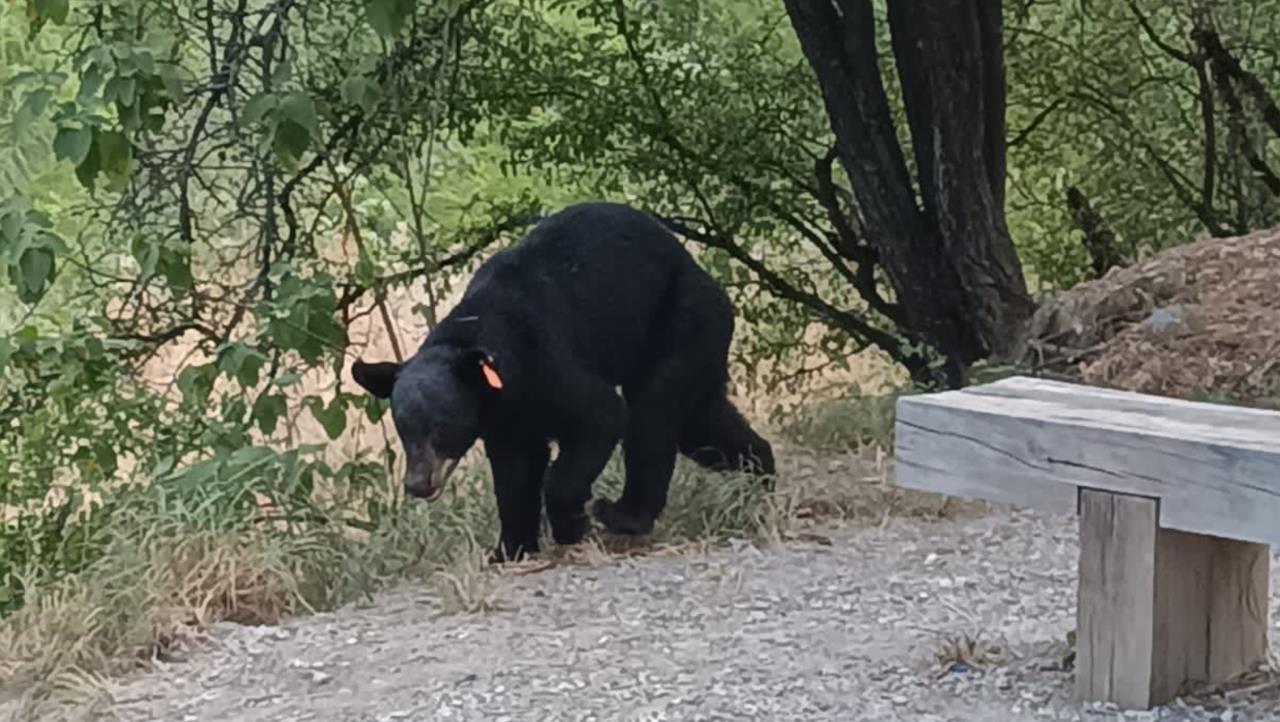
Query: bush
[844, 424]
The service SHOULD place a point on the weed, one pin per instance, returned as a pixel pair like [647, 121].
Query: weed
[466, 584]
[970, 649]
[843, 424]
[256, 538]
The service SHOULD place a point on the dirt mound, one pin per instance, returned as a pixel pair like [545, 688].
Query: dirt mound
[1201, 320]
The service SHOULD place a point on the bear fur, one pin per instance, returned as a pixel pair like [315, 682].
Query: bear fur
[595, 298]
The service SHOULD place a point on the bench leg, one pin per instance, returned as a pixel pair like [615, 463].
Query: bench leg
[1161, 610]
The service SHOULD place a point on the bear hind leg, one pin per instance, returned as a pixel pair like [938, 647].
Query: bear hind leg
[717, 437]
[652, 442]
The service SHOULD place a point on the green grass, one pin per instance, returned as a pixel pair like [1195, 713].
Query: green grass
[169, 569]
[186, 551]
[843, 424]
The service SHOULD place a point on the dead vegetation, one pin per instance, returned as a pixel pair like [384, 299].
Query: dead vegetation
[154, 592]
[968, 649]
[1200, 321]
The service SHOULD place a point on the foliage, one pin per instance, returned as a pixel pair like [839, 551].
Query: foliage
[1120, 100]
[843, 424]
[218, 148]
[706, 114]
[228, 186]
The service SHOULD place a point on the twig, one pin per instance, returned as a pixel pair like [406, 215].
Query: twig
[353, 227]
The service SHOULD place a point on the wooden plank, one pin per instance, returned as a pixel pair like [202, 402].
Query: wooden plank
[1114, 630]
[1210, 611]
[1183, 580]
[1237, 609]
[1215, 469]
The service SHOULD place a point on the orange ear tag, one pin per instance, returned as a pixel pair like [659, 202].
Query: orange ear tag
[491, 374]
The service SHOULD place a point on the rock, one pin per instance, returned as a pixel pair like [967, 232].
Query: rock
[1163, 319]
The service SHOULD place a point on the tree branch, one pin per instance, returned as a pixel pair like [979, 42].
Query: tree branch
[1040, 117]
[862, 332]
[352, 292]
[1227, 64]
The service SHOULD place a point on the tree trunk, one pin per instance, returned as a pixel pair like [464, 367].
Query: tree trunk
[946, 251]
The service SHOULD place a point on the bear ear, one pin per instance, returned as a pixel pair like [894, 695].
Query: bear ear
[376, 378]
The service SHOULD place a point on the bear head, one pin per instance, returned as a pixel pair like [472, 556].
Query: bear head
[437, 402]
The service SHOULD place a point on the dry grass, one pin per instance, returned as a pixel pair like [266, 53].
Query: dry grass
[135, 608]
[156, 588]
[971, 649]
[467, 585]
[844, 424]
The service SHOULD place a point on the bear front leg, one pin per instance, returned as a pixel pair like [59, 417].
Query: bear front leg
[585, 449]
[517, 464]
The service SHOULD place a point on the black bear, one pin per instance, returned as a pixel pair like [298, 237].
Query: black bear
[596, 297]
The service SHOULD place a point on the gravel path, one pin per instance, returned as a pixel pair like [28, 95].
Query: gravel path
[846, 631]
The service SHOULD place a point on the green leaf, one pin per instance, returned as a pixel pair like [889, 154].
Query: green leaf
[374, 408]
[34, 271]
[242, 363]
[34, 105]
[196, 383]
[175, 266]
[267, 411]
[299, 108]
[11, 225]
[87, 171]
[6, 350]
[291, 141]
[121, 90]
[366, 271]
[258, 107]
[147, 255]
[115, 157]
[90, 83]
[287, 379]
[361, 90]
[106, 457]
[73, 144]
[332, 417]
[55, 10]
[145, 61]
[172, 81]
[388, 16]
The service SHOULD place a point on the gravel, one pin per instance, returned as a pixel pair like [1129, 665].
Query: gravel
[849, 630]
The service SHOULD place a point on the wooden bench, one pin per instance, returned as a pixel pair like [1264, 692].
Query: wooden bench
[1178, 502]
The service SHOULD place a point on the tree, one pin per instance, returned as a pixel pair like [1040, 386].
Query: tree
[943, 240]
[705, 114]
[1125, 103]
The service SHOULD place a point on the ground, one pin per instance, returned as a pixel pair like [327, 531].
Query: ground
[847, 625]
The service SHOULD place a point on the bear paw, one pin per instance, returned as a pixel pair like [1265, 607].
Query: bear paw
[570, 529]
[617, 520]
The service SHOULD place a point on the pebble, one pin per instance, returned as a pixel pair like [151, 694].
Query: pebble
[850, 631]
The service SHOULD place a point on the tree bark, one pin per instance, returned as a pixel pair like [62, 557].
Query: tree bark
[946, 251]
[1099, 241]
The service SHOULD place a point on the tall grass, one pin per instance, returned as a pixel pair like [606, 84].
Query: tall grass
[261, 536]
[854, 421]
[252, 545]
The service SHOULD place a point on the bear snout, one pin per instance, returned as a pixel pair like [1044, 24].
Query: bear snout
[426, 479]
[419, 489]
